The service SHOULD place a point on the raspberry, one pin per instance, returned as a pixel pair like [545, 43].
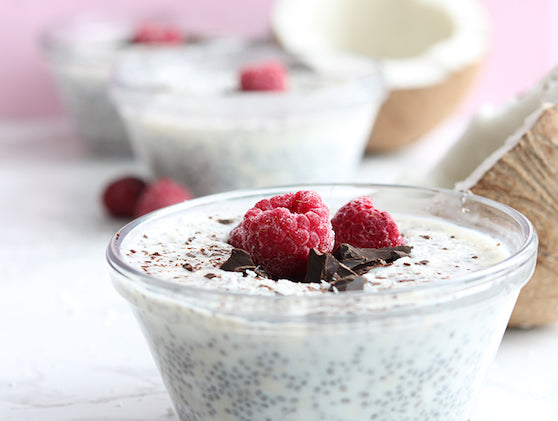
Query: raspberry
[264, 76]
[157, 33]
[161, 193]
[360, 224]
[121, 195]
[279, 233]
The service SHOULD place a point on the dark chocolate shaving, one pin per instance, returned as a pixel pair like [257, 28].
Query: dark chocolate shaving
[323, 266]
[341, 270]
[240, 261]
[361, 260]
[348, 283]
[225, 221]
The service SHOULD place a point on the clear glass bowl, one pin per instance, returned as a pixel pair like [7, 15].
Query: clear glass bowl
[188, 121]
[81, 52]
[413, 353]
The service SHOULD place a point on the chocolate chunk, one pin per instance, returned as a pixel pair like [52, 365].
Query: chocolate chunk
[361, 260]
[323, 266]
[389, 254]
[239, 261]
[341, 269]
[349, 283]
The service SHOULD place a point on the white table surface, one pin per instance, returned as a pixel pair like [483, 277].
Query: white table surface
[70, 349]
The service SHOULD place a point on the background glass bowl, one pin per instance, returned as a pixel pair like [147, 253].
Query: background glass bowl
[188, 121]
[416, 353]
[81, 52]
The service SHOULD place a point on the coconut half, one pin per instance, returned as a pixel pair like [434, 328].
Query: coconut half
[510, 155]
[429, 51]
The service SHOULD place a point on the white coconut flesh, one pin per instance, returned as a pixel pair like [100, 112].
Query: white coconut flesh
[417, 42]
[490, 135]
[429, 52]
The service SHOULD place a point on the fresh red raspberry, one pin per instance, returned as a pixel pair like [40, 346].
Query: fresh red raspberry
[161, 193]
[121, 196]
[360, 224]
[264, 76]
[279, 233]
[157, 33]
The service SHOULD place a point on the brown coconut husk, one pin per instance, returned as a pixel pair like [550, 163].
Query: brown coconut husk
[408, 114]
[510, 154]
[526, 178]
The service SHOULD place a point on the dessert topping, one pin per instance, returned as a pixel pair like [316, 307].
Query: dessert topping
[360, 224]
[324, 266]
[341, 270]
[290, 236]
[361, 260]
[157, 33]
[265, 76]
[240, 261]
[279, 233]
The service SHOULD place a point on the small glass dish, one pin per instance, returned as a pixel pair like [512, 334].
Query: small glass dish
[419, 352]
[188, 120]
[81, 52]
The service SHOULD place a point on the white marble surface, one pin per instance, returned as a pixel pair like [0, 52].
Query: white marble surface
[71, 350]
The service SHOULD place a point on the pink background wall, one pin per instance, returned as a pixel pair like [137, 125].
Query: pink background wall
[522, 49]
[522, 44]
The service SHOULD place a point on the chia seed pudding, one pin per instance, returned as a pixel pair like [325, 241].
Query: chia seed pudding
[81, 53]
[185, 113]
[413, 345]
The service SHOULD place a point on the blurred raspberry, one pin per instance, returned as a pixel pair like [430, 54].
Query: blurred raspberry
[121, 196]
[279, 233]
[157, 33]
[360, 224]
[265, 76]
[163, 192]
